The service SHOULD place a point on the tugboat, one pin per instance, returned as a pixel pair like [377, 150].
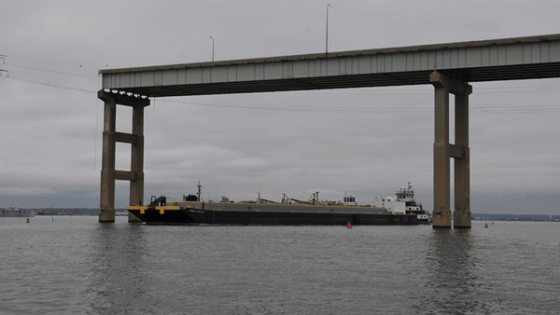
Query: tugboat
[404, 203]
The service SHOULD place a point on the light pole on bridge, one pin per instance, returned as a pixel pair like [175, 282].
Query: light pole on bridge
[212, 48]
[327, 31]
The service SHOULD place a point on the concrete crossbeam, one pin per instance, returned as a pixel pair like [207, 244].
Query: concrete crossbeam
[457, 151]
[126, 138]
[123, 99]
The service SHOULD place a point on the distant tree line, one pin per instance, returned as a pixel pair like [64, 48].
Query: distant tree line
[515, 217]
[75, 211]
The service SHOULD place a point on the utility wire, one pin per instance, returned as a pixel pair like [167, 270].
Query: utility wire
[52, 71]
[388, 109]
[294, 107]
[52, 85]
[43, 59]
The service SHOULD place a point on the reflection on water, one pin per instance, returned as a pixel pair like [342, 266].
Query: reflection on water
[75, 265]
[117, 256]
[453, 277]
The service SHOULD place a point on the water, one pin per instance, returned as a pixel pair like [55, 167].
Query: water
[74, 265]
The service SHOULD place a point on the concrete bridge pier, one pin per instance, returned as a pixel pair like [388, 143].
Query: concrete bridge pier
[110, 137]
[443, 151]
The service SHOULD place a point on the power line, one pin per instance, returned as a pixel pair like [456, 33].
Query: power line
[53, 85]
[389, 109]
[396, 109]
[52, 71]
[84, 65]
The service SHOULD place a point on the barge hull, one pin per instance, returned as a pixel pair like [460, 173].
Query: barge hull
[197, 216]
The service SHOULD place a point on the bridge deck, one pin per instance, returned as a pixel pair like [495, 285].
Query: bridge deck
[491, 60]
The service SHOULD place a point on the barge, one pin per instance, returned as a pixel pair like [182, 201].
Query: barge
[192, 211]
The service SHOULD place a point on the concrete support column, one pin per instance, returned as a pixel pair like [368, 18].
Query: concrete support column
[462, 214]
[443, 151]
[442, 164]
[110, 137]
[137, 161]
[107, 204]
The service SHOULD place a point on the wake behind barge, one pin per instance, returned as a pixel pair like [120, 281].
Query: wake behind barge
[192, 211]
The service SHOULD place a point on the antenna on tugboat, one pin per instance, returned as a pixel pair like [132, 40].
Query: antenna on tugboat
[199, 186]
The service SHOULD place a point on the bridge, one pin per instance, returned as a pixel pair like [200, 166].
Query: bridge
[448, 67]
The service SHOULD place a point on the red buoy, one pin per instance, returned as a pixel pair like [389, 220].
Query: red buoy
[349, 226]
[486, 225]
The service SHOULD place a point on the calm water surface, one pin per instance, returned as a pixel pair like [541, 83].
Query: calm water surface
[74, 265]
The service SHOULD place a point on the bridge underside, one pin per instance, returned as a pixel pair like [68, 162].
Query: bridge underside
[481, 74]
[448, 67]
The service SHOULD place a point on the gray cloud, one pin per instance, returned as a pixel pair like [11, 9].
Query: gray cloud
[368, 142]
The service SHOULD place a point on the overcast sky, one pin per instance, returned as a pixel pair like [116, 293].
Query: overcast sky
[368, 142]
